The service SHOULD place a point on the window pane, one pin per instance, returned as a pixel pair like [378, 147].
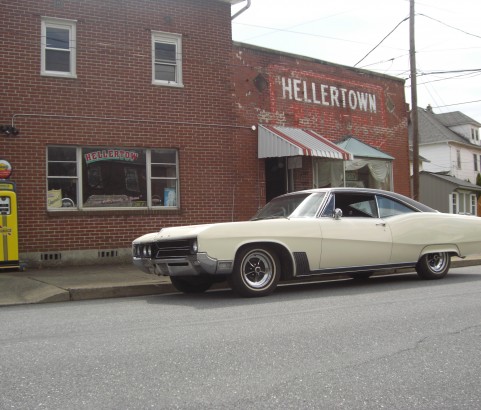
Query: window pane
[62, 154]
[62, 169]
[56, 60]
[114, 177]
[164, 192]
[164, 156]
[58, 38]
[164, 171]
[62, 193]
[164, 72]
[388, 207]
[165, 53]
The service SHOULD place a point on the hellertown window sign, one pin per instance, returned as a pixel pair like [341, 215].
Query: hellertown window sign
[327, 95]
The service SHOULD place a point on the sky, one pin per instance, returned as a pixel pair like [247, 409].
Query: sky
[374, 35]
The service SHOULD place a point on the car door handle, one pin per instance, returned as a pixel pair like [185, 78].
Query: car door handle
[381, 224]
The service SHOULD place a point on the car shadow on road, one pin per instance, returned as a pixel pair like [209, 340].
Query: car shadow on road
[310, 288]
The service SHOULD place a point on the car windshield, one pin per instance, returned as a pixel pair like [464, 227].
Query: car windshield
[296, 206]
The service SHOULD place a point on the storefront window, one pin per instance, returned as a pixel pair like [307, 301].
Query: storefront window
[360, 173]
[87, 178]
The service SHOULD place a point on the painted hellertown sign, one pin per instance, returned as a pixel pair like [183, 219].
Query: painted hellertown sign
[327, 95]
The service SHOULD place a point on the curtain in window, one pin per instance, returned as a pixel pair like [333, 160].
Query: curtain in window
[380, 171]
[330, 173]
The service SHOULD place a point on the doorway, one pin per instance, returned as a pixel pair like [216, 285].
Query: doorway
[276, 177]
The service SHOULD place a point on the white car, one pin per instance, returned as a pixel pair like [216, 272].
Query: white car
[310, 233]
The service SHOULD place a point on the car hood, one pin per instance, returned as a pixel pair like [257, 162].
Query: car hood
[177, 232]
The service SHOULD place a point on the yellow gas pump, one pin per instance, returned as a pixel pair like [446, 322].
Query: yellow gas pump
[8, 223]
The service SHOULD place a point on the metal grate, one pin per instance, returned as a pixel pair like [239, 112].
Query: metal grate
[108, 254]
[51, 256]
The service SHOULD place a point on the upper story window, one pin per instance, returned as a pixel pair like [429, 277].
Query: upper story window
[58, 47]
[167, 59]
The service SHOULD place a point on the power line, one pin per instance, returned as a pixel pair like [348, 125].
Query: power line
[377, 45]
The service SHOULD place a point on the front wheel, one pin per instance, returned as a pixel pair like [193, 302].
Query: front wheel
[191, 284]
[256, 272]
[433, 265]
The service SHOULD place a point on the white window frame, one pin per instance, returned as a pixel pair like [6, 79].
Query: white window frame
[453, 203]
[78, 204]
[168, 38]
[71, 26]
[474, 204]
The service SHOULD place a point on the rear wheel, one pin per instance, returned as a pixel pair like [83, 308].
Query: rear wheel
[433, 265]
[256, 271]
[192, 284]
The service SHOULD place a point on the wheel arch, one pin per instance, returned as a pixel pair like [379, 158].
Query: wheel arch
[285, 257]
[451, 249]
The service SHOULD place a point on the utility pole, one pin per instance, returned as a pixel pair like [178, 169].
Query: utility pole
[414, 103]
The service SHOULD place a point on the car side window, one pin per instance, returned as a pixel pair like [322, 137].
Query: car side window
[329, 209]
[356, 205]
[389, 207]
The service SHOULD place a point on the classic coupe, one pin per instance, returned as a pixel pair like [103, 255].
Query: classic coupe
[351, 231]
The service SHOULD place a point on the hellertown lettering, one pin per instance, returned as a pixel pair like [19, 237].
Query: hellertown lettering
[327, 95]
[117, 154]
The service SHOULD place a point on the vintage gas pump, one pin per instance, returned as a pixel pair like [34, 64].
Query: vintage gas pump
[8, 219]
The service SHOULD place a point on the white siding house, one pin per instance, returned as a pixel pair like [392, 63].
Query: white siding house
[451, 145]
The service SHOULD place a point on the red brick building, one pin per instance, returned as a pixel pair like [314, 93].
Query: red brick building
[351, 107]
[138, 114]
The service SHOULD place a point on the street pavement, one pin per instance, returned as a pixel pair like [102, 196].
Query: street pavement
[73, 283]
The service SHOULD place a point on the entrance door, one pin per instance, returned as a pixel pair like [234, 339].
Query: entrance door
[276, 181]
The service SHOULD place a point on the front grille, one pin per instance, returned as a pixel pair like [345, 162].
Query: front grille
[172, 249]
[164, 249]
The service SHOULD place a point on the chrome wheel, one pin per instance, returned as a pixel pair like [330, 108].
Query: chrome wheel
[257, 269]
[256, 272]
[434, 265]
[437, 261]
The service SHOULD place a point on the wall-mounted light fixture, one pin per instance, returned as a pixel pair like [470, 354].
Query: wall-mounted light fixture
[9, 130]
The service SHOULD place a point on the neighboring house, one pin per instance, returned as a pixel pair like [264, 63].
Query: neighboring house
[448, 194]
[450, 143]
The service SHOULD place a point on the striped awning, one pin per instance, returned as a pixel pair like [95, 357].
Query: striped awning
[279, 141]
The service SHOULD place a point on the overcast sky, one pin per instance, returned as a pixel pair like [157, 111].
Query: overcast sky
[448, 41]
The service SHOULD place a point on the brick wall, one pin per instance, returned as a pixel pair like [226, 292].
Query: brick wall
[259, 75]
[112, 103]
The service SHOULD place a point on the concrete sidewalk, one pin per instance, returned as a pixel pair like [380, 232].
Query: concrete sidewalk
[97, 282]
[78, 283]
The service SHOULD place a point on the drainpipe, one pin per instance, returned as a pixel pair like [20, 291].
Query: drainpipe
[242, 10]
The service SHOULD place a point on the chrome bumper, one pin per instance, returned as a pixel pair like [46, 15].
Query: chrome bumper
[197, 264]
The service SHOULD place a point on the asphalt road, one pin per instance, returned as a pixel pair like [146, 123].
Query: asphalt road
[390, 343]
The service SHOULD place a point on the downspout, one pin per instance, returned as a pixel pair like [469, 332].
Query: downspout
[242, 10]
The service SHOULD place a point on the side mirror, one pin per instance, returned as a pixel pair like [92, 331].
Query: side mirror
[337, 213]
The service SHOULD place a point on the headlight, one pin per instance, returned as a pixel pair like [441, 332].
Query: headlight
[146, 251]
[194, 247]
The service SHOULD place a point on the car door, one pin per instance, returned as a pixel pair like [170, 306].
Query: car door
[358, 238]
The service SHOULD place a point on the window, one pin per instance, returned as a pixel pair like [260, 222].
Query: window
[167, 59]
[453, 206]
[85, 178]
[352, 205]
[58, 47]
[458, 158]
[474, 204]
[463, 203]
[388, 207]
[475, 159]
